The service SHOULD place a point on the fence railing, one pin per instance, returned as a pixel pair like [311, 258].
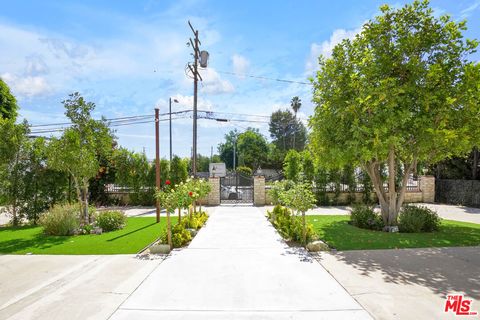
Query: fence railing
[458, 192]
[114, 188]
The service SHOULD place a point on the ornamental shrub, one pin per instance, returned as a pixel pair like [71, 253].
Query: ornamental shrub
[180, 236]
[195, 220]
[418, 219]
[277, 189]
[111, 220]
[364, 217]
[61, 220]
[288, 225]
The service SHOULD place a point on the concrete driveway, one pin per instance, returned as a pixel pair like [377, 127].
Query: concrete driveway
[407, 283]
[68, 287]
[238, 267]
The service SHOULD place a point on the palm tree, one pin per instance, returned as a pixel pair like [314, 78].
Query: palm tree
[296, 104]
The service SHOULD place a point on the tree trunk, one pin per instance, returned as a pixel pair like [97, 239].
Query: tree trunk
[304, 234]
[475, 163]
[86, 217]
[169, 231]
[294, 131]
[391, 202]
[15, 220]
[179, 215]
[391, 217]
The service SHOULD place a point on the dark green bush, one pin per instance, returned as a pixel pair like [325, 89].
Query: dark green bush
[418, 219]
[246, 171]
[364, 217]
[288, 225]
[61, 220]
[111, 220]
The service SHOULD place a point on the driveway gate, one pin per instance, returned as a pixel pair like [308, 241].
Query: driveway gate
[236, 187]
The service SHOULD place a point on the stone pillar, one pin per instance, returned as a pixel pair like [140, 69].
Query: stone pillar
[427, 186]
[214, 195]
[259, 191]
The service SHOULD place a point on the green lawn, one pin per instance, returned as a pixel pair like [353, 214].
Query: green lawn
[339, 234]
[138, 233]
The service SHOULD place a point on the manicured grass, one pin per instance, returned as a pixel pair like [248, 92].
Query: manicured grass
[138, 233]
[339, 234]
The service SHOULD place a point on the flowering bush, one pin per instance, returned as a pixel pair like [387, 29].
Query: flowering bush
[196, 220]
[111, 220]
[182, 196]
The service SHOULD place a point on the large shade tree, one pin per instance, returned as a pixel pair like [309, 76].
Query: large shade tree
[14, 146]
[252, 148]
[402, 91]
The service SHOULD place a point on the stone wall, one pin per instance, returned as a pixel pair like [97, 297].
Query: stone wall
[427, 185]
[213, 198]
[259, 191]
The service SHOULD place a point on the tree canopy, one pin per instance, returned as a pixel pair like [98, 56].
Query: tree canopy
[225, 149]
[402, 91]
[286, 131]
[8, 103]
[252, 148]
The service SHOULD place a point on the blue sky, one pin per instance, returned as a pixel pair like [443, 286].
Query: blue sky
[129, 57]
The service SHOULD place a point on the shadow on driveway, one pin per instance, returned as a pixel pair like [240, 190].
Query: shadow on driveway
[442, 270]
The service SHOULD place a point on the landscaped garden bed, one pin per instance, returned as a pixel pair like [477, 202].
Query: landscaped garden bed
[137, 234]
[336, 231]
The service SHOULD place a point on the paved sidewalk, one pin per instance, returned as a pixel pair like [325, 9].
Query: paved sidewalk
[239, 268]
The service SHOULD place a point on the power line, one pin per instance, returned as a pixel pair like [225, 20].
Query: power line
[264, 78]
[51, 130]
[111, 119]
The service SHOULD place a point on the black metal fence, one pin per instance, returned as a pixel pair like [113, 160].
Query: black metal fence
[236, 188]
[459, 192]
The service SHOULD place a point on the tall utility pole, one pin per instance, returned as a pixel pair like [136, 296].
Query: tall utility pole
[170, 121]
[157, 161]
[203, 57]
[234, 152]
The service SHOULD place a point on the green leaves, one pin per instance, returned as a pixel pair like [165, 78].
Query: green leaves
[403, 81]
[8, 103]
[299, 197]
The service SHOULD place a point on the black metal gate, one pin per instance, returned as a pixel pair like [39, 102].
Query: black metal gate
[236, 188]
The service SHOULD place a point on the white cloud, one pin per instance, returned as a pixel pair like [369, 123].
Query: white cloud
[240, 64]
[326, 47]
[468, 11]
[214, 84]
[184, 103]
[35, 65]
[26, 86]
[64, 63]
